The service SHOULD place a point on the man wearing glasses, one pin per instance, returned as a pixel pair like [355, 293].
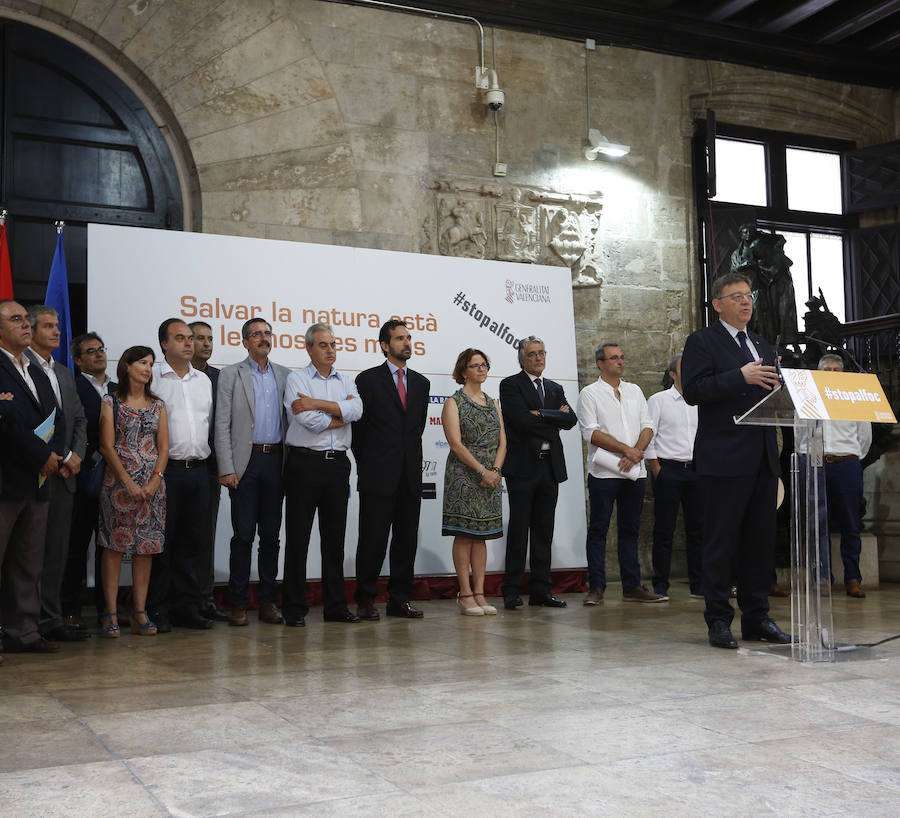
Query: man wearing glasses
[248, 437]
[726, 370]
[616, 425]
[534, 410]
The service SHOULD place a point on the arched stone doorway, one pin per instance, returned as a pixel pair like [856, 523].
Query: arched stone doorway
[77, 144]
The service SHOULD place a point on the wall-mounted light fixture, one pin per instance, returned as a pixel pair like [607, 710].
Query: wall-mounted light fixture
[596, 143]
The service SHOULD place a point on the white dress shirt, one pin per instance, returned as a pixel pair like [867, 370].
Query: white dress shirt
[841, 437]
[674, 425]
[22, 369]
[598, 408]
[188, 407]
[49, 370]
[101, 388]
[310, 429]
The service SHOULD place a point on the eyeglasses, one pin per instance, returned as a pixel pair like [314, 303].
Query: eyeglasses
[261, 333]
[541, 354]
[93, 350]
[739, 298]
[482, 365]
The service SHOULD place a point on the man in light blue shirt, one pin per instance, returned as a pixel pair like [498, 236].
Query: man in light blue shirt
[323, 403]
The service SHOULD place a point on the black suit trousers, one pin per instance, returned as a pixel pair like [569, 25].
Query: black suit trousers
[532, 509]
[739, 541]
[397, 515]
[314, 484]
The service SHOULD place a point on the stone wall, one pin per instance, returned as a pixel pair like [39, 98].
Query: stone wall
[315, 121]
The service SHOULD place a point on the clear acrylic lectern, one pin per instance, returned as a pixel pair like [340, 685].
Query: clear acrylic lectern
[811, 620]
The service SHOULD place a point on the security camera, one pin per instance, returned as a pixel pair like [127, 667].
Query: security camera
[495, 98]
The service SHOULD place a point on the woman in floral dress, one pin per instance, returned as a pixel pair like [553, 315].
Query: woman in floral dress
[473, 509]
[134, 441]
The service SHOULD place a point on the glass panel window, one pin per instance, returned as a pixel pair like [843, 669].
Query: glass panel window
[827, 268]
[741, 172]
[813, 180]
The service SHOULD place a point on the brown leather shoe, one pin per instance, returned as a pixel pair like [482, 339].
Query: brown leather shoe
[776, 590]
[237, 616]
[368, 612]
[269, 613]
[854, 590]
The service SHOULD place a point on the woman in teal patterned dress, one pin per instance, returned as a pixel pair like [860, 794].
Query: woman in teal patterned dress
[473, 509]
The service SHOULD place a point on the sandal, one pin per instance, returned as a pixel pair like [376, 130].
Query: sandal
[489, 610]
[475, 610]
[111, 628]
[147, 628]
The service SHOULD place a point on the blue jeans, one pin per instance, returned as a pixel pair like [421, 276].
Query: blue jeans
[628, 497]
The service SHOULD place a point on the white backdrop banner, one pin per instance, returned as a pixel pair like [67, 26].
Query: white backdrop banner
[139, 277]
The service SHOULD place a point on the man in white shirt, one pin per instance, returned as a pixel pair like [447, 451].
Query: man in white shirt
[613, 418]
[323, 403]
[175, 595]
[45, 339]
[847, 442]
[670, 459]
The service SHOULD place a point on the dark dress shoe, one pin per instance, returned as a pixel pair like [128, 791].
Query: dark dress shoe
[270, 614]
[765, 631]
[39, 646]
[161, 620]
[213, 613]
[548, 601]
[74, 623]
[720, 636]
[194, 621]
[512, 602]
[403, 609]
[295, 621]
[343, 616]
[368, 612]
[64, 634]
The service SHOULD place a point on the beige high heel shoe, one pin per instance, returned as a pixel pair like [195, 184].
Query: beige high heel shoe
[475, 610]
[489, 610]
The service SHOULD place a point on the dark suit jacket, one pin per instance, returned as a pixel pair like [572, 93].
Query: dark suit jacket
[90, 400]
[22, 452]
[387, 441]
[712, 381]
[75, 436]
[525, 432]
[212, 465]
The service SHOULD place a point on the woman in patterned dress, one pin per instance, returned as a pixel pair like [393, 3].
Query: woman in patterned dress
[473, 509]
[134, 441]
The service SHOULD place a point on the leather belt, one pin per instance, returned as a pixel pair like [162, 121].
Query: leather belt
[193, 463]
[327, 454]
[677, 464]
[266, 447]
[840, 458]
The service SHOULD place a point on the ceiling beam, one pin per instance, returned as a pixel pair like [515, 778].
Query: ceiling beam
[859, 20]
[799, 12]
[725, 9]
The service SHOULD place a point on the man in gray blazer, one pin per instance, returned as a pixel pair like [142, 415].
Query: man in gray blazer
[249, 433]
[44, 340]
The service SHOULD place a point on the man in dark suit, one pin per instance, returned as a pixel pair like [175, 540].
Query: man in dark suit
[387, 445]
[534, 410]
[24, 458]
[44, 340]
[725, 371]
[92, 384]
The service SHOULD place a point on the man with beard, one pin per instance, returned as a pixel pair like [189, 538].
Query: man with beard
[387, 445]
[249, 433]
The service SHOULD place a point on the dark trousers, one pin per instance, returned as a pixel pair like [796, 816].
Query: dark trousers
[628, 498]
[313, 484]
[56, 549]
[397, 515]
[85, 516]
[256, 506]
[206, 559]
[23, 529]
[173, 581]
[532, 509]
[738, 541]
[844, 487]
[676, 487]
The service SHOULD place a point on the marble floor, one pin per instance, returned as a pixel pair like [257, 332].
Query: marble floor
[620, 710]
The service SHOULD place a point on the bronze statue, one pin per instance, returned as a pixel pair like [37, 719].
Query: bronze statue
[760, 256]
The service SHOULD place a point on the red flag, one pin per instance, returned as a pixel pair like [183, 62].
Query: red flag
[6, 290]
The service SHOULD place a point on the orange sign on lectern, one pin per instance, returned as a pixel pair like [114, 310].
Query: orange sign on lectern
[820, 395]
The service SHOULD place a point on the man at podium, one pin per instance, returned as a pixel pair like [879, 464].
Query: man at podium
[726, 370]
